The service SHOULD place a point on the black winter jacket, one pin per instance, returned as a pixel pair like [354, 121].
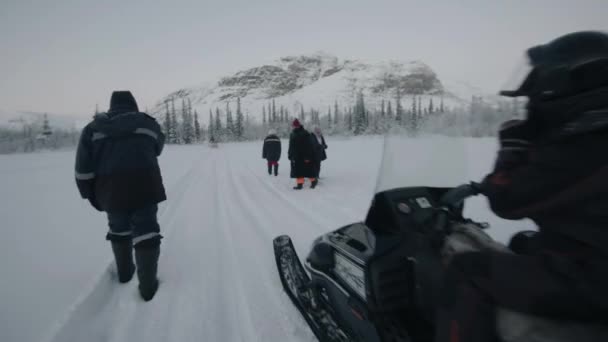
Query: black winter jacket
[116, 162]
[271, 150]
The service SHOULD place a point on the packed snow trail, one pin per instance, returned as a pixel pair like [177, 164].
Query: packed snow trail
[217, 270]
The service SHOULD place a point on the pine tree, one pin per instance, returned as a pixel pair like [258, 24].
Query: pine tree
[218, 125]
[431, 108]
[399, 111]
[167, 125]
[239, 128]
[211, 127]
[46, 128]
[229, 123]
[389, 111]
[274, 111]
[441, 107]
[187, 129]
[336, 113]
[264, 115]
[269, 112]
[173, 138]
[302, 115]
[329, 120]
[197, 128]
[360, 115]
[281, 114]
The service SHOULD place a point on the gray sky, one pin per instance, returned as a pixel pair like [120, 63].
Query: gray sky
[65, 56]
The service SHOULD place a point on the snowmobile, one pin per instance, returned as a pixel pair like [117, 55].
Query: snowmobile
[378, 280]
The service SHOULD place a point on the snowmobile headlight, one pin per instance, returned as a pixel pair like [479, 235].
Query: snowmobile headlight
[351, 273]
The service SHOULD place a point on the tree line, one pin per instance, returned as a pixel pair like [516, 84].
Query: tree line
[421, 115]
[27, 136]
[230, 122]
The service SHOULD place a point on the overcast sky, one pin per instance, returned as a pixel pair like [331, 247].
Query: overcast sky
[65, 56]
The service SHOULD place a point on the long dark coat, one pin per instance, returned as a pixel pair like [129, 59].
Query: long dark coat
[301, 154]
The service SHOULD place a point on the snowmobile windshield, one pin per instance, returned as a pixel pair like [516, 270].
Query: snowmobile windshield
[517, 78]
[422, 161]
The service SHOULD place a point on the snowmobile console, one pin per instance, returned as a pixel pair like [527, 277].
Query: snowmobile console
[410, 208]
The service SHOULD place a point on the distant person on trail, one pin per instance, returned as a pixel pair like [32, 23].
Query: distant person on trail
[320, 147]
[301, 154]
[271, 151]
[117, 171]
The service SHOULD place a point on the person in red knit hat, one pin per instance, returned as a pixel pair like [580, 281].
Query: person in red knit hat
[301, 154]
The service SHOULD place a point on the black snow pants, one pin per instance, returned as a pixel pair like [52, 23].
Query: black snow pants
[544, 284]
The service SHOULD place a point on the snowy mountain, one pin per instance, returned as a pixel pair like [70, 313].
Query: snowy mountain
[319, 81]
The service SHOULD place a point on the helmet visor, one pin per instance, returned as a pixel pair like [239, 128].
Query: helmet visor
[514, 85]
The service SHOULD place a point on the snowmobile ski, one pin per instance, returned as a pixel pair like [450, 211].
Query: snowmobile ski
[296, 283]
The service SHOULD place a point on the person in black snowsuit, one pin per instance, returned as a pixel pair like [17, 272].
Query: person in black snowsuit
[301, 154]
[117, 171]
[320, 146]
[271, 151]
[551, 168]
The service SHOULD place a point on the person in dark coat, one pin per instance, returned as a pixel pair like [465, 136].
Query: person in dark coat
[551, 168]
[271, 151]
[301, 154]
[320, 146]
[117, 171]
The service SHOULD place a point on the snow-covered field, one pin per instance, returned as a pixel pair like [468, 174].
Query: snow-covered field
[217, 270]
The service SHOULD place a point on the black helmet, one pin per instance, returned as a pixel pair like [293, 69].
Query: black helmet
[569, 65]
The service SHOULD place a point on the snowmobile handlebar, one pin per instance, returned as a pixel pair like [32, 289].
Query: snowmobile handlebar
[454, 197]
[450, 201]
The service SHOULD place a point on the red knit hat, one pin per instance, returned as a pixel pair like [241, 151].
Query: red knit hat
[296, 123]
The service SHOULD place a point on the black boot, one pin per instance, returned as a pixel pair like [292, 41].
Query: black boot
[298, 187]
[313, 184]
[276, 169]
[123, 255]
[269, 169]
[146, 258]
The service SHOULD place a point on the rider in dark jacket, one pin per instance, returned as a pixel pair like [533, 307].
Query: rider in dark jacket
[117, 171]
[551, 168]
